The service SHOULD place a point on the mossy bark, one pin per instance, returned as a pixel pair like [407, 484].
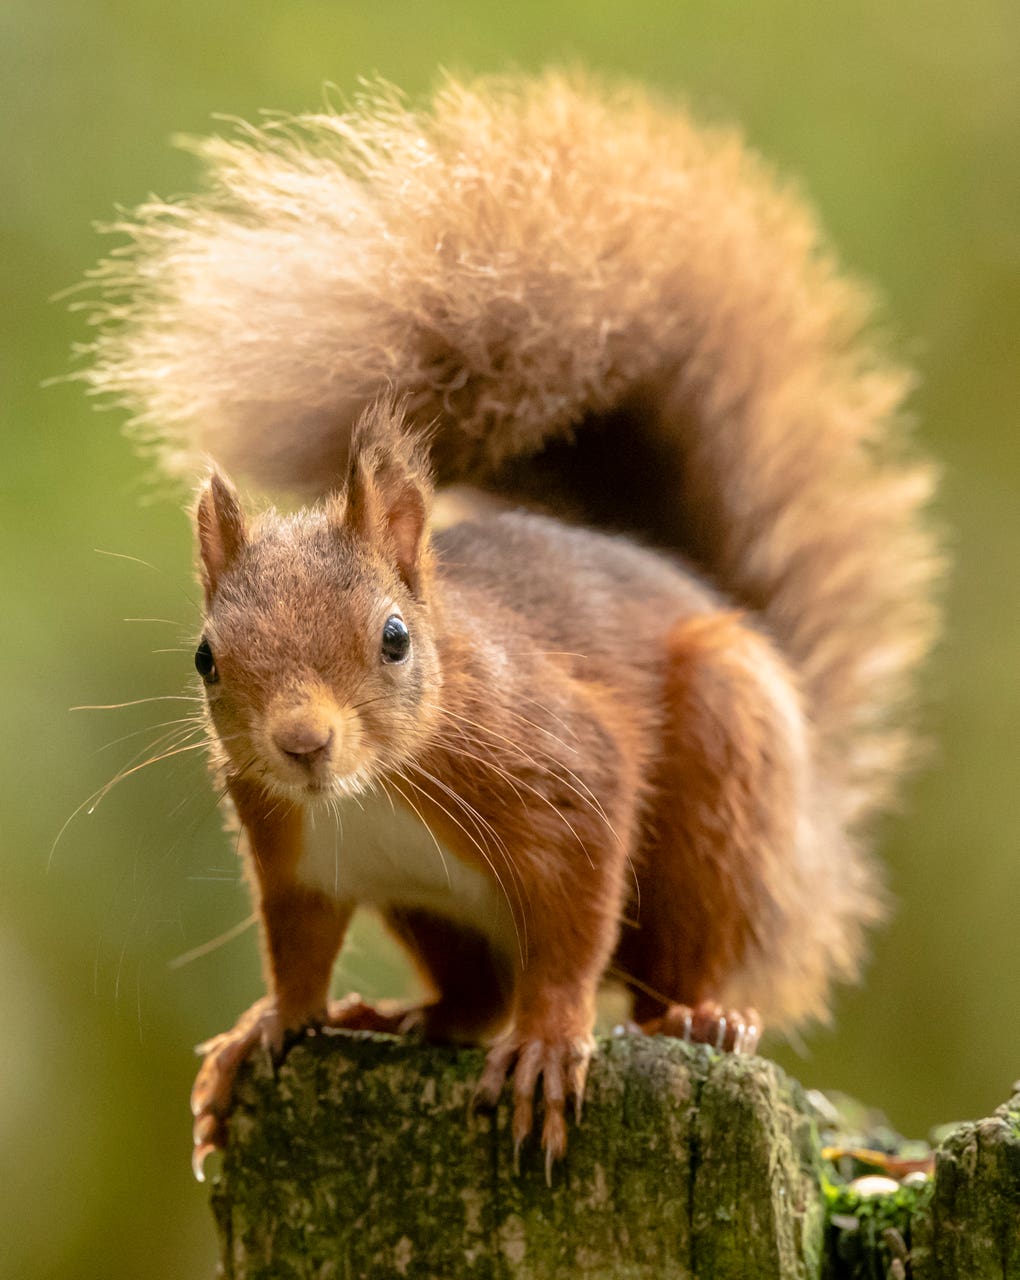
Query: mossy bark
[969, 1224]
[360, 1157]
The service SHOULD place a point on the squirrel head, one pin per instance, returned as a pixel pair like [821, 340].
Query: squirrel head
[318, 653]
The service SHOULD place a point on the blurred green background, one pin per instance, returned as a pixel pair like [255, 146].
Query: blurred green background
[903, 123]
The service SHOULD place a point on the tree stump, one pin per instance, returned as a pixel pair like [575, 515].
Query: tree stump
[359, 1157]
[969, 1226]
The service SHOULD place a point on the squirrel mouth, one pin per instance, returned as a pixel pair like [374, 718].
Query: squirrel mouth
[325, 785]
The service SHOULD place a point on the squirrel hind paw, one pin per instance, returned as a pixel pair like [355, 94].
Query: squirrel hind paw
[728, 1030]
[389, 1017]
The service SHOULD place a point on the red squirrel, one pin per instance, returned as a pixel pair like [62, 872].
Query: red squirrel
[638, 724]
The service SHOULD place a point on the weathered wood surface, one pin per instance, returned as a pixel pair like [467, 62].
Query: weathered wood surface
[970, 1226]
[359, 1157]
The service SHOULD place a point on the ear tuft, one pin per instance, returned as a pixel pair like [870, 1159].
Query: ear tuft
[219, 521]
[389, 489]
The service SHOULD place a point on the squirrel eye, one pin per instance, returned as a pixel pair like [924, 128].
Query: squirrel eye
[205, 663]
[396, 640]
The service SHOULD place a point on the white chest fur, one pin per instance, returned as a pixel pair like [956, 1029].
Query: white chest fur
[378, 854]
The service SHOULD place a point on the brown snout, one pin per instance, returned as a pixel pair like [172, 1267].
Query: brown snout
[303, 735]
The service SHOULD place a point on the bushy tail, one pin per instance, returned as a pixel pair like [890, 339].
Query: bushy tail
[546, 268]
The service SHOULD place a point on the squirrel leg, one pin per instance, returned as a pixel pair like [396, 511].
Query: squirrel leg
[576, 871]
[723, 819]
[550, 1041]
[470, 986]
[473, 986]
[302, 932]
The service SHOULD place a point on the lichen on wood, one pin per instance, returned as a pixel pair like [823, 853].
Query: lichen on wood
[360, 1157]
[969, 1226]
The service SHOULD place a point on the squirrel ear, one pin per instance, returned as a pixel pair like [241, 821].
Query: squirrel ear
[388, 502]
[389, 489]
[221, 530]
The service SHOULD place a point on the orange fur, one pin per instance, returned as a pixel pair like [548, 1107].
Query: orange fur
[579, 300]
[302, 930]
[568, 283]
[661, 772]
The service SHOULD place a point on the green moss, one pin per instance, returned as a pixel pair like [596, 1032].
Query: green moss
[865, 1234]
[971, 1225]
[360, 1157]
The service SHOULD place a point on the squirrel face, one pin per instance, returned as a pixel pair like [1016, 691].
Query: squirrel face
[318, 654]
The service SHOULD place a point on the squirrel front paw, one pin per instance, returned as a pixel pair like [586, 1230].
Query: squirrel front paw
[562, 1064]
[222, 1056]
[263, 1025]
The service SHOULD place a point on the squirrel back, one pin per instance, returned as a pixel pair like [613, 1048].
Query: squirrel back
[590, 302]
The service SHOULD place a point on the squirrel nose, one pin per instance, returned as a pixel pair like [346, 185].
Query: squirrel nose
[303, 739]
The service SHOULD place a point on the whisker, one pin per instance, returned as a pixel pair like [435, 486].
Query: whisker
[582, 790]
[137, 702]
[142, 884]
[120, 966]
[238, 776]
[91, 802]
[513, 781]
[493, 734]
[480, 824]
[228, 935]
[214, 802]
[165, 755]
[120, 555]
[136, 733]
[138, 999]
[170, 622]
[458, 823]
[421, 817]
[379, 783]
[192, 827]
[549, 712]
[445, 744]
[177, 749]
[547, 653]
[628, 979]
[172, 736]
[469, 809]
[359, 706]
[337, 842]
[517, 716]
[592, 797]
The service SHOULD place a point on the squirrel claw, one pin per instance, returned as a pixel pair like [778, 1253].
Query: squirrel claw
[560, 1064]
[198, 1158]
[208, 1135]
[729, 1030]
